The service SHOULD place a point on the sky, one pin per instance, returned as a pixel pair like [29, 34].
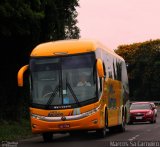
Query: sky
[119, 22]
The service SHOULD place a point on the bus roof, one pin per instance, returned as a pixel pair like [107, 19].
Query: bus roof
[73, 46]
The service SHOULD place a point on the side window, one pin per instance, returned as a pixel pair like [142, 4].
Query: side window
[110, 74]
[104, 69]
[99, 80]
[151, 106]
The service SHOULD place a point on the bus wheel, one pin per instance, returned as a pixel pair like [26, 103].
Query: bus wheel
[122, 127]
[101, 132]
[47, 137]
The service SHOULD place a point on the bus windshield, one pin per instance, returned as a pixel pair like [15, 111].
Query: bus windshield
[68, 80]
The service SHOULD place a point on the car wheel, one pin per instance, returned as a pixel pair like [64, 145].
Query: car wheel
[130, 123]
[153, 120]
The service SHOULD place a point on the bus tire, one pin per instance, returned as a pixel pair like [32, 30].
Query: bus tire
[122, 127]
[47, 137]
[102, 132]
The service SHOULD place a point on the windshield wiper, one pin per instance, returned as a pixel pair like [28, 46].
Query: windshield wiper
[72, 92]
[52, 96]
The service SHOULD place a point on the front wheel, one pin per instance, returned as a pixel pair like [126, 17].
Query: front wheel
[153, 120]
[47, 137]
[130, 123]
[101, 132]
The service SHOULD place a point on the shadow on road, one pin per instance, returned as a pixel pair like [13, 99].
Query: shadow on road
[141, 123]
[87, 136]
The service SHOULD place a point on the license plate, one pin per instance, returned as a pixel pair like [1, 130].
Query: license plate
[139, 117]
[64, 126]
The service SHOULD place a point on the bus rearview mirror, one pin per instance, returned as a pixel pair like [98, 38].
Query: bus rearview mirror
[100, 68]
[20, 75]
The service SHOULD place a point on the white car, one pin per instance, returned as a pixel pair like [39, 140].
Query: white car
[154, 106]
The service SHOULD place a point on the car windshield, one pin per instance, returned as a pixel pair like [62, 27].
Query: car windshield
[63, 80]
[140, 106]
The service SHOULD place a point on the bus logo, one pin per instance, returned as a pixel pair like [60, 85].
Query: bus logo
[55, 114]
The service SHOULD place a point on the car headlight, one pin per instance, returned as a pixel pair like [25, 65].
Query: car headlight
[149, 113]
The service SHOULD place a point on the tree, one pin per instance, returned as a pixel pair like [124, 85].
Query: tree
[23, 25]
[60, 20]
[143, 61]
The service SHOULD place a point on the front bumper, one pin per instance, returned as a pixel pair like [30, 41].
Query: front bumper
[91, 122]
[141, 119]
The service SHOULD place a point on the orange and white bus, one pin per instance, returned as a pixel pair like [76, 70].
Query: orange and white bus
[59, 104]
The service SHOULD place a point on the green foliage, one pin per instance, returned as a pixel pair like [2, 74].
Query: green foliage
[60, 20]
[20, 18]
[143, 61]
[39, 20]
[14, 130]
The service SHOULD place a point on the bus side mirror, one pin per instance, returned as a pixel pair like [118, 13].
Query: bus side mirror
[100, 69]
[20, 75]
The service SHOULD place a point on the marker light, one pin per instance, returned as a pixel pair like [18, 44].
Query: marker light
[60, 53]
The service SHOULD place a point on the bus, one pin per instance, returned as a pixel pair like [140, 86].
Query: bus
[58, 104]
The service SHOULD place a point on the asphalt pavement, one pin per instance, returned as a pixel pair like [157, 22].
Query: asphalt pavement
[136, 135]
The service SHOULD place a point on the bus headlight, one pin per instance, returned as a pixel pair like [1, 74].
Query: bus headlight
[37, 116]
[91, 112]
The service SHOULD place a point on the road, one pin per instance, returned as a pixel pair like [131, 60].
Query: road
[135, 135]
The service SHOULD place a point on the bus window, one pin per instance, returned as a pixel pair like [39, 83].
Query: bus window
[99, 86]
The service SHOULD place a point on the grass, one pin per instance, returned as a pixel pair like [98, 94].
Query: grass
[13, 131]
